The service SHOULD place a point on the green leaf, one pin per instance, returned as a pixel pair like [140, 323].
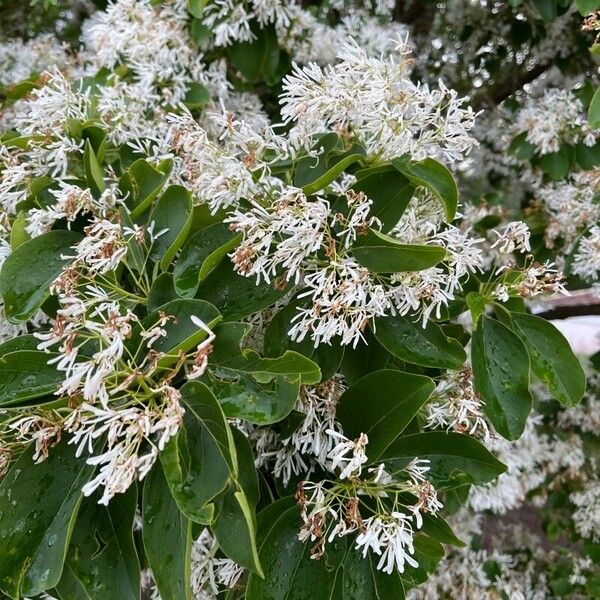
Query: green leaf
[235, 296]
[547, 9]
[291, 365]
[200, 255]
[313, 173]
[172, 212]
[288, 569]
[21, 342]
[312, 178]
[27, 272]
[501, 376]
[552, 359]
[521, 148]
[197, 95]
[587, 157]
[258, 59]
[201, 458]
[18, 235]
[102, 555]
[260, 403]
[439, 530]
[196, 7]
[167, 536]
[277, 341]
[162, 291]
[476, 303]
[455, 459]
[413, 343]
[361, 579]
[390, 192]
[142, 182]
[594, 110]
[38, 506]
[435, 177]
[235, 521]
[93, 172]
[557, 164]
[399, 395]
[182, 333]
[585, 7]
[26, 374]
[381, 253]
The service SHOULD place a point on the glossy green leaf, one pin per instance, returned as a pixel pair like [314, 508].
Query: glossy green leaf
[399, 395]
[290, 574]
[455, 459]
[102, 555]
[93, 173]
[313, 173]
[235, 520]
[235, 296]
[21, 342]
[167, 536]
[547, 9]
[594, 110]
[197, 94]
[162, 291]
[476, 304]
[390, 192]
[200, 255]
[501, 376]
[435, 177]
[26, 374]
[585, 7]
[38, 506]
[173, 213]
[427, 346]
[142, 183]
[552, 359]
[18, 234]
[200, 459]
[381, 253]
[27, 272]
[260, 403]
[257, 59]
[557, 164]
[196, 7]
[290, 365]
[362, 579]
[182, 334]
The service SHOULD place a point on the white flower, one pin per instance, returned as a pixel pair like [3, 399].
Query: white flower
[347, 454]
[391, 539]
[514, 236]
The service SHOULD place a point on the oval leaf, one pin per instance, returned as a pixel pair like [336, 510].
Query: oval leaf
[455, 459]
[200, 256]
[381, 253]
[173, 213]
[27, 273]
[552, 359]
[501, 376]
[435, 177]
[413, 343]
[167, 536]
[38, 506]
[399, 395]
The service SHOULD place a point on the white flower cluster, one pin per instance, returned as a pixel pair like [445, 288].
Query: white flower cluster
[558, 117]
[571, 207]
[457, 406]
[21, 59]
[375, 102]
[331, 511]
